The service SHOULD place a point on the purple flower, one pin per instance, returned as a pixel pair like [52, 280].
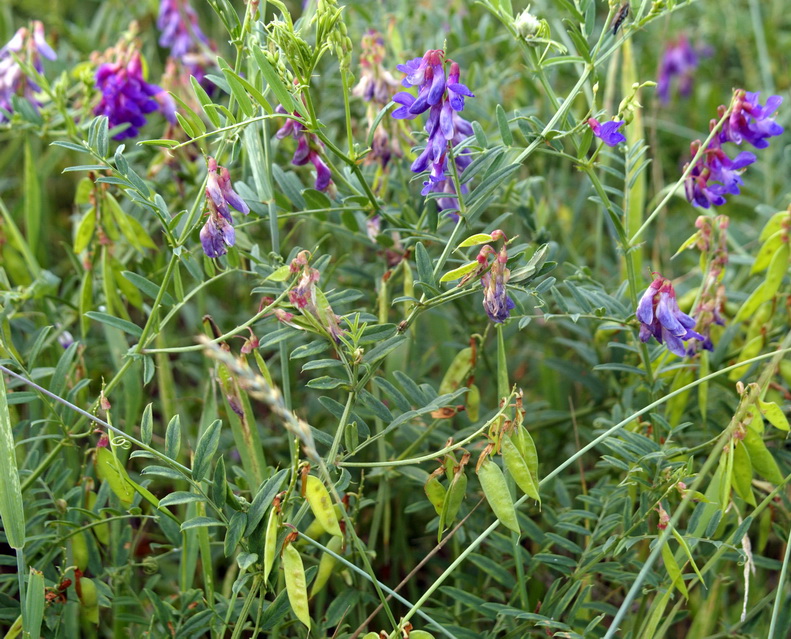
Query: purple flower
[13, 81]
[220, 193]
[216, 235]
[218, 232]
[496, 302]
[376, 83]
[127, 98]
[750, 121]
[308, 150]
[680, 59]
[445, 127]
[310, 301]
[660, 316]
[178, 23]
[608, 132]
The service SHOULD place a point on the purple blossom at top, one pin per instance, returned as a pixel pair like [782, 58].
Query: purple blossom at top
[179, 28]
[661, 317]
[308, 150]
[715, 174]
[680, 60]
[608, 132]
[13, 81]
[750, 121]
[218, 232]
[443, 99]
[127, 98]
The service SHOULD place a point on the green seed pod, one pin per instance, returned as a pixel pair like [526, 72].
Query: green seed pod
[320, 503]
[420, 634]
[517, 466]
[79, 550]
[87, 593]
[435, 492]
[742, 476]
[457, 372]
[326, 566]
[295, 584]
[102, 531]
[109, 469]
[527, 447]
[762, 461]
[496, 492]
[452, 502]
[270, 542]
[473, 403]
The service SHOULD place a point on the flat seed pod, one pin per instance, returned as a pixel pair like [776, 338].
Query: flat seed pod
[496, 492]
[296, 587]
[320, 503]
[457, 372]
[435, 492]
[270, 542]
[517, 466]
[326, 566]
[109, 469]
[527, 447]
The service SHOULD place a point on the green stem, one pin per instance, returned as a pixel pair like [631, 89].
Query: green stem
[336, 442]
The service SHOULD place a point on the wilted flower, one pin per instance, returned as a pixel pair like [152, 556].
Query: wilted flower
[308, 150]
[309, 300]
[127, 98]
[444, 99]
[218, 232]
[661, 317]
[608, 132]
[750, 121]
[496, 301]
[680, 60]
[29, 47]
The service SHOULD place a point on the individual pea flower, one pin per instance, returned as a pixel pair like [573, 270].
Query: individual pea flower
[750, 121]
[309, 300]
[661, 317]
[496, 301]
[608, 132]
[178, 24]
[127, 98]
[680, 59]
[29, 47]
[218, 233]
[715, 175]
[309, 149]
[376, 83]
[428, 74]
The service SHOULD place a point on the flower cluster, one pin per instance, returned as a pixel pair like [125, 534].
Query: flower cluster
[716, 174]
[680, 60]
[29, 47]
[661, 317]
[443, 97]
[496, 301]
[608, 132]
[309, 300]
[309, 149]
[179, 31]
[376, 87]
[218, 232]
[127, 98]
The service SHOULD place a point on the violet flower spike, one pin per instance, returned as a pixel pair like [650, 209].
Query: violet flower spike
[608, 132]
[179, 27]
[660, 316]
[220, 192]
[29, 47]
[680, 60]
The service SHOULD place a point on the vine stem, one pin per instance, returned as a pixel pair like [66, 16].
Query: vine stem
[571, 460]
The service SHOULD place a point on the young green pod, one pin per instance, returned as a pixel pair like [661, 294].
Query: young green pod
[473, 403]
[296, 587]
[420, 634]
[87, 592]
[12, 511]
[270, 542]
[527, 447]
[435, 492]
[109, 469]
[457, 372]
[452, 502]
[742, 477]
[326, 566]
[497, 494]
[517, 466]
[320, 503]
[762, 461]
[79, 550]
[102, 531]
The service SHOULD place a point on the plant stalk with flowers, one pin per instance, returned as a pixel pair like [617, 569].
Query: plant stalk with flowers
[354, 335]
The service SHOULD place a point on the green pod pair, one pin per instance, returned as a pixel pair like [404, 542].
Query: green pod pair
[326, 566]
[497, 494]
[452, 502]
[522, 470]
[318, 499]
